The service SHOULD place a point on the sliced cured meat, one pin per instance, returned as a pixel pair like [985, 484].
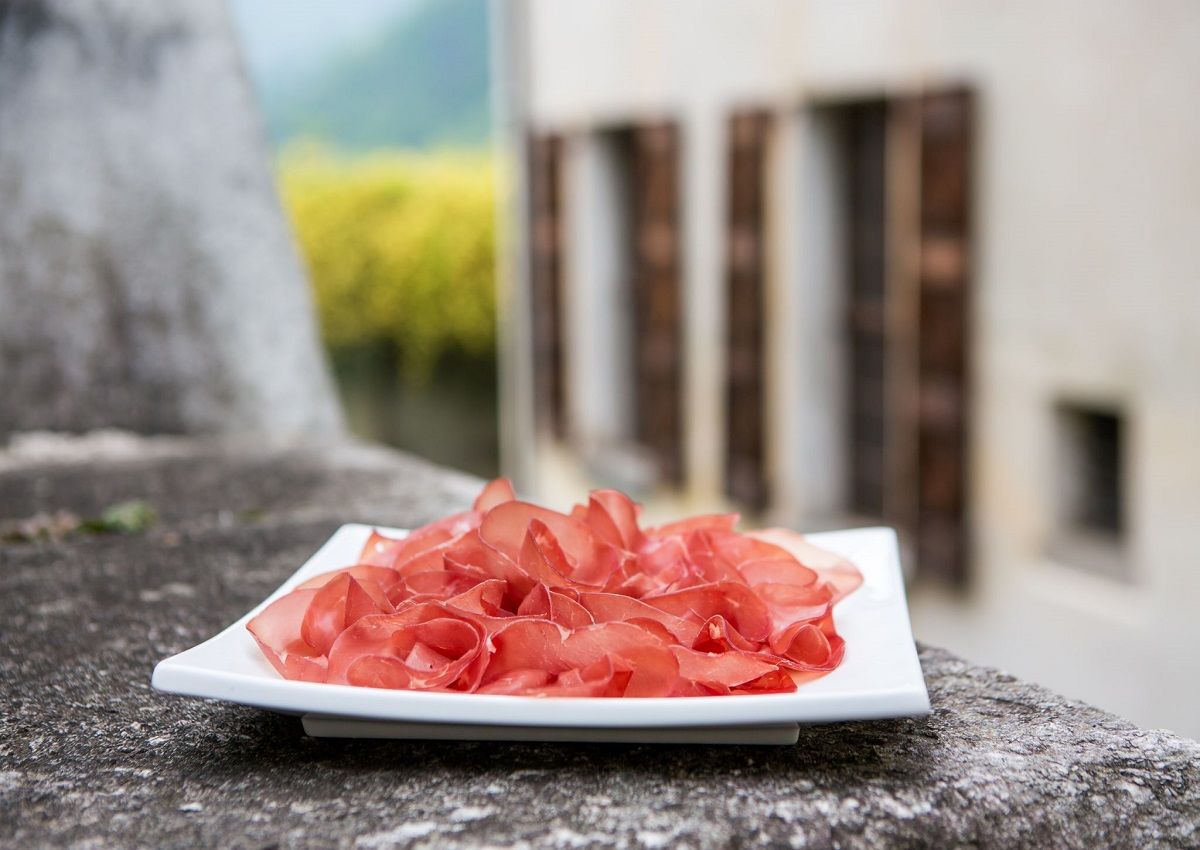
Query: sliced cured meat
[277, 631]
[832, 568]
[511, 598]
[337, 604]
[494, 493]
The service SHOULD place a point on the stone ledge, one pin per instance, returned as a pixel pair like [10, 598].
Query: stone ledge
[89, 755]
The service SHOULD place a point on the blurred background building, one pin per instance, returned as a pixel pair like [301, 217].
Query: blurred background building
[928, 264]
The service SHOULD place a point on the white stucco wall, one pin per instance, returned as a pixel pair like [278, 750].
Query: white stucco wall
[1086, 277]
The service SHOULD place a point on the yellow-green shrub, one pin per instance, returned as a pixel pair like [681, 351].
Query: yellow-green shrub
[400, 250]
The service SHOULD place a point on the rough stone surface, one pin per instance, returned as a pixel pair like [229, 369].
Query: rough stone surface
[90, 756]
[148, 279]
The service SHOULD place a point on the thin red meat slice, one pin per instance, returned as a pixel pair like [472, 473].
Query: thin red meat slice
[556, 607]
[614, 518]
[613, 607]
[542, 645]
[716, 635]
[471, 553]
[518, 682]
[337, 604]
[526, 644]
[605, 561]
[790, 604]
[805, 646]
[836, 570]
[506, 526]
[711, 564]
[396, 552]
[600, 679]
[665, 559]
[485, 598]
[433, 584]
[721, 670]
[494, 493]
[737, 549]
[408, 649]
[380, 550]
[776, 681]
[542, 558]
[704, 522]
[736, 602]
[385, 577]
[653, 669]
[777, 571]
[276, 629]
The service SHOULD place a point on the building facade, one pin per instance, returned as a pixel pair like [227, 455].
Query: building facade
[929, 263]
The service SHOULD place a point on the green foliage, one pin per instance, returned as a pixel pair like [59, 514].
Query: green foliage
[128, 517]
[421, 82]
[400, 250]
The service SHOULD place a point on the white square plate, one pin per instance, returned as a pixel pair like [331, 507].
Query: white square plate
[880, 676]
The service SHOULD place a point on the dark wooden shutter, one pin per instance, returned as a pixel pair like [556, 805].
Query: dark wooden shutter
[745, 444]
[943, 339]
[656, 271]
[865, 131]
[545, 278]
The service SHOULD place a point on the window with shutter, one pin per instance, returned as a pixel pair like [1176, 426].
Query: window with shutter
[745, 449]
[656, 273]
[943, 336]
[906, 200]
[865, 128]
[545, 278]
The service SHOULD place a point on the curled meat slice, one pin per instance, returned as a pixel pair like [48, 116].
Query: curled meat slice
[384, 551]
[470, 552]
[421, 649]
[790, 604]
[652, 668]
[526, 644]
[836, 570]
[737, 603]
[337, 604]
[710, 564]
[380, 550]
[542, 558]
[556, 607]
[518, 682]
[276, 629]
[613, 516]
[494, 493]
[807, 646]
[506, 526]
[723, 671]
[664, 559]
[613, 607]
[384, 577]
[716, 635]
[531, 644]
[777, 571]
[705, 522]
[433, 584]
[485, 598]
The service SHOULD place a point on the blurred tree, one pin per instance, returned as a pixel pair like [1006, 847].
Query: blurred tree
[400, 250]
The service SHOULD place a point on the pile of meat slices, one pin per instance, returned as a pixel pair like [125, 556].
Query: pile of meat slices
[512, 598]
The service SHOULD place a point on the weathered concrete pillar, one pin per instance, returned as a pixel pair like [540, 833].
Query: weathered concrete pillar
[148, 279]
